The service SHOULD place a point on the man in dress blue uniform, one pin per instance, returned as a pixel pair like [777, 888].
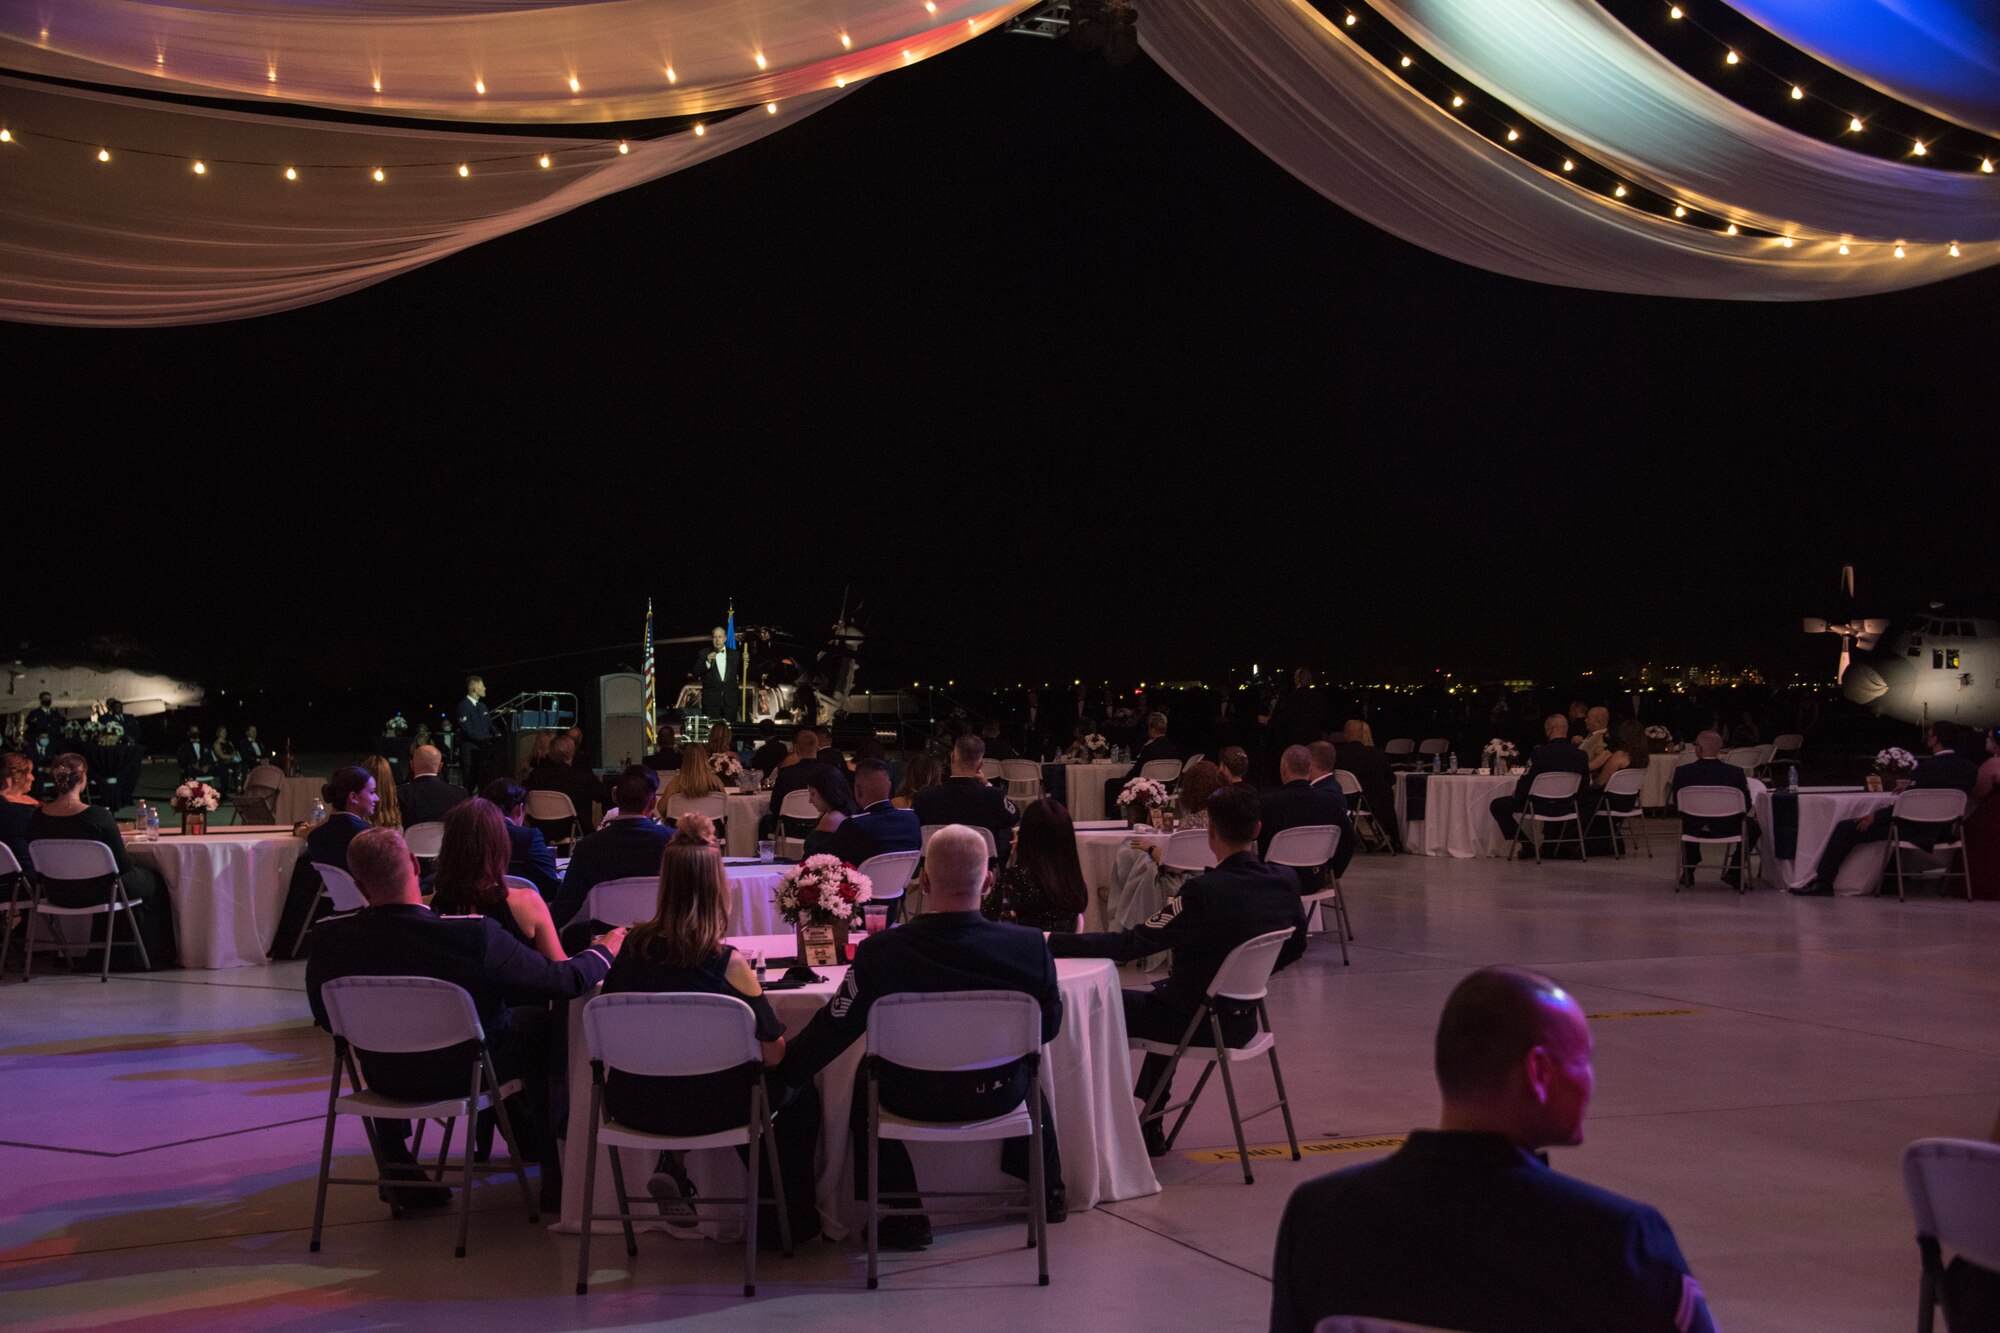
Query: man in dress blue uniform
[1309, 796]
[530, 857]
[1466, 1227]
[427, 798]
[42, 720]
[1240, 899]
[880, 827]
[396, 935]
[1157, 746]
[1945, 767]
[952, 947]
[1710, 771]
[478, 737]
[1554, 755]
[966, 797]
[627, 847]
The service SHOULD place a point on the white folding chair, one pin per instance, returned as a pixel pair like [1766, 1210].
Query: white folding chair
[957, 1031]
[257, 803]
[715, 806]
[680, 1035]
[78, 861]
[1306, 849]
[1374, 835]
[1953, 1186]
[337, 887]
[1749, 758]
[1400, 752]
[1187, 850]
[1436, 747]
[16, 880]
[1243, 978]
[1023, 778]
[1166, 772]
[991, 770]
[1716, 803]
[889, 874]
[1937, 806]
[425, 841]
[1625, 782]
[408, 1016]
[1786, 749]
[1192, 760]
[797, 805]
[1556, 788]
[554, 807]
[623, 902]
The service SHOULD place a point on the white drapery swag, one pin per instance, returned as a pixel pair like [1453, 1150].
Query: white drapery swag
[1284, 77]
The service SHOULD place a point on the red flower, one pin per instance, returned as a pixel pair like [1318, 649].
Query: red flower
[849, 892]
[809, 895]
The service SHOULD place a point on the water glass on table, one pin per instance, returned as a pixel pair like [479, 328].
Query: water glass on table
[875, 917]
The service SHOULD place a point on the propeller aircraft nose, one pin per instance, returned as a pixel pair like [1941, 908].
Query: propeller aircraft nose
[1863, 683]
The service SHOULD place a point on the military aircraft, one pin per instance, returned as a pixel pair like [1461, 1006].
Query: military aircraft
[1930, 666]
[80, 689]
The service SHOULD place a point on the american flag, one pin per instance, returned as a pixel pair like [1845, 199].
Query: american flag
[652, 728]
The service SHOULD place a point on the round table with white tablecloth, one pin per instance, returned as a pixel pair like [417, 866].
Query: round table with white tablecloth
[1820, 808]
[227, 888]
[1083, 786]
[753, 895]
[1457, 818]
[1097, 850]
[1086, 1073]
[1657, 792]
[295, 799]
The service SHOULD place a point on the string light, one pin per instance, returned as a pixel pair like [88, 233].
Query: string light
[378, 85]
[1674, 13]
[479, 86]
[1854, 124]
[464, 170]
[846, 42]
[1406, 62]
[104, 155]
[1899, 251]
[1619, 192]
[1953, 250]
[1731, 59]
[575, 84]
[771, 107]
[200, 168]
[1985, 164]
[1457, 102]
[930, 6]
[6, 136]
[544, 160]
[839, 82]
[1785, 241]
[380, 176]
[1798, 93]
[761, 62]
[699, 129]
[1917, 149]
[1512, 135]
[907, 57]
[1351, 20]
[291, 173]
[1680, 212]
[1843, 248]
[1731, 229]
[671, 76]
[1568, 165]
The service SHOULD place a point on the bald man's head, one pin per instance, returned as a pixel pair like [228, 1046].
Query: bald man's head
[1709, 744]
[1513, 1057]
[426, 761]
[1555, 726]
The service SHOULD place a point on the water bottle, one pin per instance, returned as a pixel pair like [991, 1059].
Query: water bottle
[152, 823]
[139, 820]
[1451, 762]
[319, 811]
[1437, 763]
[1792, 778]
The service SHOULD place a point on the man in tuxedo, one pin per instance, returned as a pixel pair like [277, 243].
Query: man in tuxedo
[478, 735]
[1944, 768]
[194, 756]
[1033, 727]
[1321, 777]
[1709, 771]
[530, 857]
[721, 670]
[628, 846]
[560, 772]
[510, 985]
[42, 720]
[1554, 755]
[880, 827]
[1300, 802]
[254, 751]
[1370, 768]
[1238, 900]
[1467, 1225]
[426, 798]
[1157, 746]
[951, 947]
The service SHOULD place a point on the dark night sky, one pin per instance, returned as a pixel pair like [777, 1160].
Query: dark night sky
[1057, 371]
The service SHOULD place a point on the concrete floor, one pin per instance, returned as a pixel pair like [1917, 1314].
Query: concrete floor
[1760, 1064]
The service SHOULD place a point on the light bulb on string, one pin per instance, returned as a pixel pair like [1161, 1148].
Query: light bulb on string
[378, 85]
[761, 62]
[6, 136]
[575, 84]
[1854, 124]
[1899, 251]
[1798, 93]
[544, 159]
[1407, 62]
[1953, 250]
[1731, 59]
[464, 170]
[1568, 165]
[1513, 135]
[930, 6]
[700, 129]
[839, 82]
[907, 57]
[1917, 148]
[771, 108]
[380, 176]
[479, 86]
[200, 167]
[1674, 12]
[1457, 102]
[1619, 192]
[104, 155]
[846, 42]
[1351, 20]
[1785, 241]
[1730, 230]
[291, 173]
[623, 148]
[1680, 212]
[1986, 165]
[671, 76]
[1843, 248]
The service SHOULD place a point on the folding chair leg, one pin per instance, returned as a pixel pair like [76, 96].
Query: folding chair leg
[325, 1157]
[874, 1179]
[777, 1185]
[750, 1193]
[624, 1204]
[517, 1156]
[589, 1186]
[1038, 1194]
[298, 941]
[132, 920]
[444, 1147]
[465, 1178]
[1229, 1091]
[1278, 1079]
[34, 916]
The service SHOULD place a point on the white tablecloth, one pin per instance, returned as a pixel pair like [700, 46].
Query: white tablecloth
[227, 889]
[1084, 788]
[1658, 791]
[1086, 1073]
[295, 799]
[1097, 849]
[753, 908]
[746, 809]
[1820, 808]
[1457, 821]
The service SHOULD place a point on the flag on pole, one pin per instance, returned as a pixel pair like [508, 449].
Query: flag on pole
[731, 632]
[652, 728]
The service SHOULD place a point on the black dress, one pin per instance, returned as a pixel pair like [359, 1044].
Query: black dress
[1017, 896]
[325, 845]
[154, 910]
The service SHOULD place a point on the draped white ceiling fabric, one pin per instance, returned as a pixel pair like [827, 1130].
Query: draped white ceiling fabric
[1286, 78]
[488, 60]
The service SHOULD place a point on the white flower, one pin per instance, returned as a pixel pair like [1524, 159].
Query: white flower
[725, 764]
[1658, 733]
[838, 890]
[1144, 791]
[1895, 757]
[1503, 749]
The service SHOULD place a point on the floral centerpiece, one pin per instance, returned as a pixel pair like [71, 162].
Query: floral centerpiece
[1501, 753]
[1893, 766]
[820, 897]
[194, 800]
[1659, 740]
[1095, 747]
[725, 765]
[1144, 798]
[396, 726]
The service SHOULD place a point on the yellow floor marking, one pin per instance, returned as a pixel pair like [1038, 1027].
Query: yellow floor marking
[1308, 1148]
[1645, 1013]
